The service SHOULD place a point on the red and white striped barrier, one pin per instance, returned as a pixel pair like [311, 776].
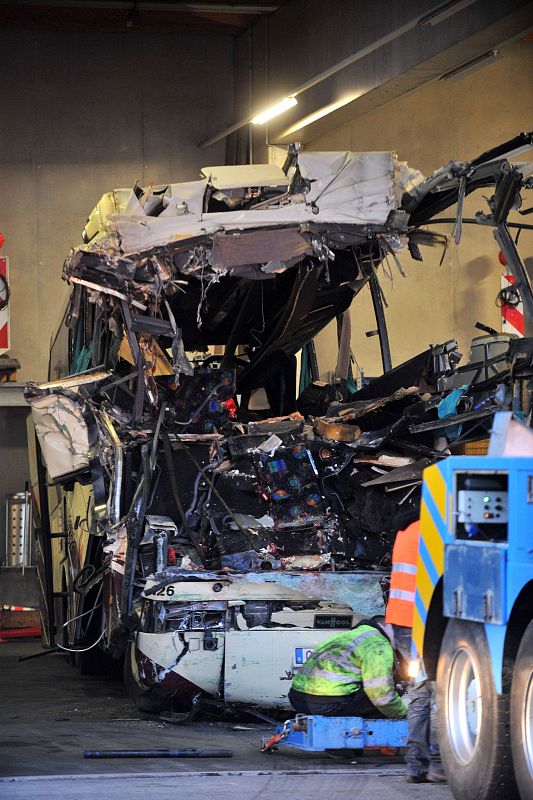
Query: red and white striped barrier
[512, 316]
[4, 312]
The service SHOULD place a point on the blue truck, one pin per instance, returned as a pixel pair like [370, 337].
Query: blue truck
[473, 625]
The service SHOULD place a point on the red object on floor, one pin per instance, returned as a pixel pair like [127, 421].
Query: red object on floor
[19, 633]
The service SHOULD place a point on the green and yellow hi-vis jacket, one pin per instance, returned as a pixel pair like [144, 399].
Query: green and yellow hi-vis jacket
[351, 661]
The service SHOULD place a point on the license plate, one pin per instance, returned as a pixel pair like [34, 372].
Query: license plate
[301, 654]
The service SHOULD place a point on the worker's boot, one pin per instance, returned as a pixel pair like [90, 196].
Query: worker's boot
[436, 775]
[433, 776]
[416, 778]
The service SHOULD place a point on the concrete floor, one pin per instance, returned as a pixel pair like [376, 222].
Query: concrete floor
[50, 715]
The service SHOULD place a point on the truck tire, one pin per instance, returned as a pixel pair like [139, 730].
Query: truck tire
[472, 719]
[522, 715]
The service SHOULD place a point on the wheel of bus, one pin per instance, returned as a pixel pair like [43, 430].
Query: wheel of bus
[522, 715]
[472, 719]
[145, 698]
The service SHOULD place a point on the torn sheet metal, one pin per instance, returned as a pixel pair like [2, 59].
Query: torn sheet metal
[180, 658]
[412, 472]
[183, 198]
[286, 247]
[62, 433]
[351, 188]
[234, 177]
[74, 381]
[348, 181]
[310, 562]
[346, 412]
[361, 590]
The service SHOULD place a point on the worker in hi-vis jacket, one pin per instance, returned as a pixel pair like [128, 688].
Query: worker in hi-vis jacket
[351, 674]
[422, 757]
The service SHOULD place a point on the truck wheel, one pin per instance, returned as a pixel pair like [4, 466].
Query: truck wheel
[472, 719]
[522, 715]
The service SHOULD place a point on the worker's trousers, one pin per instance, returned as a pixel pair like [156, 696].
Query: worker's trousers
[356, 704]
[422, 754]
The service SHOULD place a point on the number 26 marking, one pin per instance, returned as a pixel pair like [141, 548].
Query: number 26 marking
[166, 591]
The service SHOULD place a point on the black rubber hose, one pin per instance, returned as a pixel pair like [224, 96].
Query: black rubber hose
[158, 753]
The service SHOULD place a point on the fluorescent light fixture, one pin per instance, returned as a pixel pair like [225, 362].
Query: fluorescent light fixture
[321, 112]
[471, 66]
[227, 8]
[274, 111]
[445, 11]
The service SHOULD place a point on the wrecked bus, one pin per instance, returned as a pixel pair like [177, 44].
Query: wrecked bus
[204, 514]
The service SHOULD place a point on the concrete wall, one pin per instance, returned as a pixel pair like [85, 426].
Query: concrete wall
[445, 120]
[83, 113]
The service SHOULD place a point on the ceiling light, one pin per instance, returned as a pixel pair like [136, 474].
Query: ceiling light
[230, 8]
[471, 66]
[274, 111]
[445, 11]
[322, 112]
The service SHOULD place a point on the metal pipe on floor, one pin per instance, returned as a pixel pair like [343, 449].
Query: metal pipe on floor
[175, 753]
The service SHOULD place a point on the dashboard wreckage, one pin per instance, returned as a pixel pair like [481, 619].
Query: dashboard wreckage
[208, 543]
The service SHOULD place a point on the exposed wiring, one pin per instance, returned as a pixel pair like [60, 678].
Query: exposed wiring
[387, 271]
[157, 470]
[385, 266]
[201, 406]
[217, 494]
[82, 649]
[509, 296]
[385, 249]
[73, 619]
[201, 475]
[83, 577]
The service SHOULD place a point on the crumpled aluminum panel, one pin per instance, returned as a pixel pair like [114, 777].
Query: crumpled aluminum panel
[62, 434]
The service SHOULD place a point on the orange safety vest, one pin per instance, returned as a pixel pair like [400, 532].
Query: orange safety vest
[401, 605]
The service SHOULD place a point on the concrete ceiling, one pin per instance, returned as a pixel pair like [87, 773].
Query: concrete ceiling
[360, 56]
[149, 16]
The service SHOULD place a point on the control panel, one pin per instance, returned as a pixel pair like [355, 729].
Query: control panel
[482, 506]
